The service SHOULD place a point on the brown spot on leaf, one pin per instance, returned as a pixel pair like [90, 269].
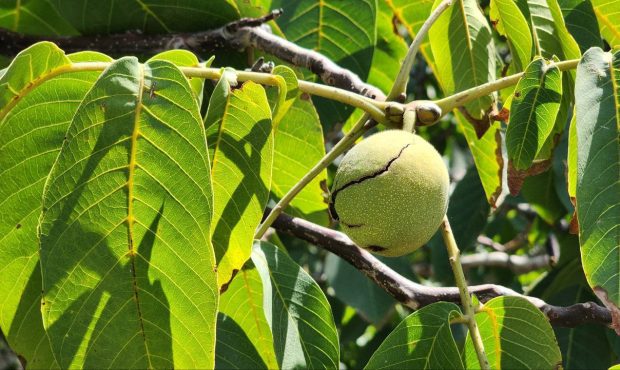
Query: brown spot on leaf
[573, 227]
[18, 226]
[517, 177]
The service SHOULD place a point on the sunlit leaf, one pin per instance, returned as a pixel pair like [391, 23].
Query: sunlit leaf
[487, 153]
[535, 106]
[515, 335]
[128, 268]
[598, 171]
[240, 137]
[608, 15]
[297, 311]
[511, 23]
[422, 341]
[464, 52]
[31, 134]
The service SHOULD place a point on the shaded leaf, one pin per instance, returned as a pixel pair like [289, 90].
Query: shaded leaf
[343, 30]
[347, 281]
[151, 16]
[242, 320]
[126, 256]
[535, 106]
[35, 17]
[579, 18]
[539, 191]
[297, 311]
[464, 52]
[598, 171]
[240, 137]
[422, 341]
[515, 335]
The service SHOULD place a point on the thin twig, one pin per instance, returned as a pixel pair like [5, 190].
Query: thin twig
[416, 295]
[466, 301]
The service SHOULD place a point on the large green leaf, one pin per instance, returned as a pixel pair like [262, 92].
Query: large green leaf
[580, 19]
[152, 16]
[422, 341]
[515, 335]
[242, 321]
[511, 23]
[240, 137]
[608, 14]
[297, 311]
[128, 268]
[37, 17]
[185, 58]
[598, 171]
[464, 52]
[31, 134]
[535, 105]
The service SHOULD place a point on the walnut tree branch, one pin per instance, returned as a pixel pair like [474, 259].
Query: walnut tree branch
[516, 263]
[416, 295]
[239, 35]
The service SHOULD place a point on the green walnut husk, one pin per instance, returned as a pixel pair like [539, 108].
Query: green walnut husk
[390, 193]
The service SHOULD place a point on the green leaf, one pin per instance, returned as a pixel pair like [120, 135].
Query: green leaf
[579, 18]
[598, 171]
[464, 52]
[298, 147]
[515, 335]
[298, 313]
[31, 134]
[487, 153]
[535, 105]
[511, 23]
[343, 30]
[126, 256]
[35, 17]
[242, 320]
[23, 75]
[608, 16]
[185, 58]
[240, 137]
[412, 14]
[422, 341]
[550, 35]
[572, 159]
[150, 16]
[390, 50]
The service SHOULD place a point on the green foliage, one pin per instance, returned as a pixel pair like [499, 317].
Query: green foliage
[130, 195]
[598, 171]
[516, 335]
[126, 215]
